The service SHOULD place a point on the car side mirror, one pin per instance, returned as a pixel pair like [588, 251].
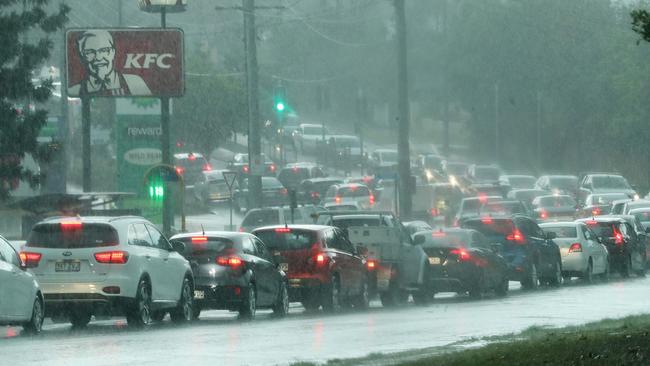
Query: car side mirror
[178, 246]
[418, 240]
[551, 235]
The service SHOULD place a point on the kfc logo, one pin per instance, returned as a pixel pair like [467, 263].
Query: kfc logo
[125, 62]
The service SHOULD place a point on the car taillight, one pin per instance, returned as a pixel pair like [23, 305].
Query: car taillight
[516, 236]
[462, 254]
[337, 199]
[433, 212]
[112, 257]
[180, 170]
[30, 259]
[272, 168]
[438, 233]
[595, 211]
[575, 248]
[245, 168]
[241, 229]
[618, 237]
[372, 199]
[315, 195]
[282, 230]
[543, 214]
[284, 191]
[486, 220]
[207, 167]
[371, 264]
[232, 262]
[70, 225]
[320, 259]
[199, 239]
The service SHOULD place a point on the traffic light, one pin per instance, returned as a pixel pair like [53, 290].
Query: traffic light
[279, 99]
[156, 190]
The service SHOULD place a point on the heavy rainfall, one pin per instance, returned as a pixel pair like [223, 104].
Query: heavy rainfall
[311, 182]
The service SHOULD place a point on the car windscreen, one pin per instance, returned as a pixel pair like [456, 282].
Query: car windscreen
[486, 173]
[200, 245]
[563, 182]
[433, 162]
[557, 201]
[293, 176]
[441, 239]
[192, 163]
[562, 232]
[610, 182]
[353, 191]
[287, 239]
[261, 218]
[218, 186]
[602, 229]
[521, 182]
[72, 235]
[270, 183]
[607, 199]
[643, 216]
[322, 187]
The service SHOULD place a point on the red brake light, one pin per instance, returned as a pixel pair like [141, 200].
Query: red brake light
[180, 170]
[438, 233]
[112, 257]
[232, 262]
[245, 168]
[592, 222]
[433, 212]
[295, 169]
[543, 214]
[486, 220]
[191, 157]
[320, 259]
[241, 229]
[272, 167]
[516, 236]
[30, 259]
[199, 239]
[482, 197]
[315, 195]
[337, 199]
[575, 248]
[371, 264]
[70, 225]
[462, 254]
[282, 230]
[372, 199]
[596, 211]
[207, 167]
[284, 191]
[618, 237]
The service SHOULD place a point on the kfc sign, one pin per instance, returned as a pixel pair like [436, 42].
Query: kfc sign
[125, 62]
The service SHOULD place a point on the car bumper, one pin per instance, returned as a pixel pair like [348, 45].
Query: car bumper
[301, 288]
[225, 297]
[574, 263]
[87, 291]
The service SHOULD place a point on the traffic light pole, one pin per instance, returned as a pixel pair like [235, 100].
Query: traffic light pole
[85, 143]
[167, 214]
[254, 138]
[403, 149]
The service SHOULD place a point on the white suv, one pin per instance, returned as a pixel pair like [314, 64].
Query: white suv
[109, 266]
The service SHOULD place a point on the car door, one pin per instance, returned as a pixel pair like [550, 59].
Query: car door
[481, 248]
[8, 287]
[636, 247]
[19, 284]
[149, 258]
[545, 249]
[172, 268]
[593, 248]
[355, 264]
[267, 274]
[341, 259]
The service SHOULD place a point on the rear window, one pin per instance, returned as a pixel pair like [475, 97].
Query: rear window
[504, 208]
[491, 227]
[72, 236]
[192, 163]
[485, 173]
[456, 169]
[269, 183]
[610, 182]
[447, 239]
[345, 223]
[642, 216]
[606, 199]
[353, 191]
[602, 229]
[562, 232]
[287, 239]
[202, 245]
[559, 201]
[261, 218]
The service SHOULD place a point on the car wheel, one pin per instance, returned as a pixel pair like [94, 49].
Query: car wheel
[35, 324]
[531, 282]
[281, 308]
[363, 299]
[625, 268]
[478, 288]
[502, 289]
[331, 297]
[184, 311]
[249, 305]
[587, 275]
[196, 312]
[140, 314]
[79, 318]
[557, 278]
[422, 297]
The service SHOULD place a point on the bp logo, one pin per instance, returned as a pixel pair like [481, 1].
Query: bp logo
[144, 103]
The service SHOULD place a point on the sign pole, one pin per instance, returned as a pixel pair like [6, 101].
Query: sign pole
[85, 133]
[168, 215]
[229, 178]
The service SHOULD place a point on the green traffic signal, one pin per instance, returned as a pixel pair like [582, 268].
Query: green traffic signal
[156, 191]
[279, 106]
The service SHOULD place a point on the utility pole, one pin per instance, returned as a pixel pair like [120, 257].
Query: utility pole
[168, 214]
[446, 150]
[254, 137]
[497, 142]
[539, 131]
[403, 149]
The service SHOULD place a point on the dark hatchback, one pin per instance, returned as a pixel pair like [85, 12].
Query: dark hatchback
[530, 253]
[322, 265]
[462, 260]
[627, 249]
[234, 271]
[273, 194]
[314, 189]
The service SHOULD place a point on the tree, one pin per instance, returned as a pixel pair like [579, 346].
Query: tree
[641, 23]
[20, 124]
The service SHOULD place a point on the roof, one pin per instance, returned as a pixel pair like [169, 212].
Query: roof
[220, 234]
[603, 218]
[311, 227]
[91, 219]
[559, 223]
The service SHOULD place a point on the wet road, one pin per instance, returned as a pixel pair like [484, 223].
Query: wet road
[219, 338]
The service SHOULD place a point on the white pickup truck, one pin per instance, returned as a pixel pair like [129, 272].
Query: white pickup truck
[395, 266]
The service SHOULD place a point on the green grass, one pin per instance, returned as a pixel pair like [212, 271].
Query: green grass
[609, 342]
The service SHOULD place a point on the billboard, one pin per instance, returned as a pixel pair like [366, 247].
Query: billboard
[125, 62]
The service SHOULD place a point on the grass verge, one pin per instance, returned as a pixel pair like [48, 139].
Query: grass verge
[623, 341]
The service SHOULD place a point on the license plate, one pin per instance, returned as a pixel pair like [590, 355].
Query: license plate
[284, 267]
[199, 294]
[434, 260]
[67, 266]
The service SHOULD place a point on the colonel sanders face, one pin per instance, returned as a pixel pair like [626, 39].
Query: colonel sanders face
[97, 52]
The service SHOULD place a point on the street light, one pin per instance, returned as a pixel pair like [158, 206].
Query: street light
[163, 7]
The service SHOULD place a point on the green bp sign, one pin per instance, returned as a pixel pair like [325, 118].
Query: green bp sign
[138, 140]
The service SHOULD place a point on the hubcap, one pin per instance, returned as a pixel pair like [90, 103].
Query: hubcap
[38, 316]
[251, 301]
[285, 299]
[145, 312]
[187, 302]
